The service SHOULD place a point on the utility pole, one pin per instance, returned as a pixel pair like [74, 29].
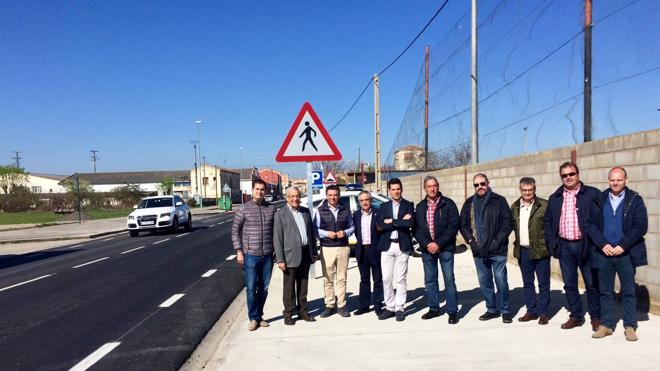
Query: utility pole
[194, 143]
[377, 124]
[587, 70]
[94, 158]
[426, 114]
[17, 158]
[204, 177]
[199, 149]
[474, 147]
[525, 139]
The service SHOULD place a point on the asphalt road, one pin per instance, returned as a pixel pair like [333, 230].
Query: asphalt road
[106, 301]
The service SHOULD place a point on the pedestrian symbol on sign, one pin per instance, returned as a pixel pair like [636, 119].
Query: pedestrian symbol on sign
[308, 136]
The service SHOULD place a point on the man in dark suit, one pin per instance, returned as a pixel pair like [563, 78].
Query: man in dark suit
[436, 225]
[395, 222]
[368, 255]
[564, 227]
[295, 251]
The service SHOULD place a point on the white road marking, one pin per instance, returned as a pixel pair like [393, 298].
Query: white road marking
[92, 262]
[73, 247]
[168, 303]
[183, 234]
[23, 283]
[212, 225]
[209, 273]
[157, 242]
[107, 239]
[91, 359]
[137, 248]
[231, 257]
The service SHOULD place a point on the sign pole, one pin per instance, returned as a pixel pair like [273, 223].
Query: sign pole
[310, 206]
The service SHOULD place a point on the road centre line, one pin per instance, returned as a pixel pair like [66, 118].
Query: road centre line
[92, 262]
[212, 225]
[183, 234]
[168, 303]
[231, 257]
[73, 247]
[137, 248]
[91, 359]
[209, 273]
[25, 282]
[157, 242]
[107, 239]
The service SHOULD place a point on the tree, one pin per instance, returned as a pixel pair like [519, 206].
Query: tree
[127, 195]
[12, 177]
[166, 186]
[454, 156]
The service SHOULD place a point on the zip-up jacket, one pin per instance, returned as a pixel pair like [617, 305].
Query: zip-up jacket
[252, 229]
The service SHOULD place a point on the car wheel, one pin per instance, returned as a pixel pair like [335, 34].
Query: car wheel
[189, 224]
[133, 233]
[175, 224]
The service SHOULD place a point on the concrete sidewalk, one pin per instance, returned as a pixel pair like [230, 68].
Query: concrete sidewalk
[364, 342]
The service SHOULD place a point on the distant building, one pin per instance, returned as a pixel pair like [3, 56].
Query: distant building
[410, 157]
[273, 179]
[213, 181]
[45, 183]
[148, 181]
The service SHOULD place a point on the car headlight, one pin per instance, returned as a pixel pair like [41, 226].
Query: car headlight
[165, 215]
[131, 217]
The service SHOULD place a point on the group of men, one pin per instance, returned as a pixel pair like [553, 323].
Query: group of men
[597, 234]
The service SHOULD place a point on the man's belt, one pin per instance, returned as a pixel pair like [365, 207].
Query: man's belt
[563, 239]
[394, 240]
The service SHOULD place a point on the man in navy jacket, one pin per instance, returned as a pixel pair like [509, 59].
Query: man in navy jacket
[367, 255]
[618, 230]
[436, 225]
[395, 223]
[564, 227]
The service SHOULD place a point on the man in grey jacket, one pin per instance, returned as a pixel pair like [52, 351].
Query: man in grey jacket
[295, 251]
[252, 237]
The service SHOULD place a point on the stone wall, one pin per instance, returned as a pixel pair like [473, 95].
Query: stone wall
[639, 153]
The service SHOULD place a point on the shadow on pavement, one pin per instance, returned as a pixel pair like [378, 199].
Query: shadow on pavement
[7, 261]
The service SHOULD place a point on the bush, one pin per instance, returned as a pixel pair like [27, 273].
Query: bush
[20, 199]
[191, 202]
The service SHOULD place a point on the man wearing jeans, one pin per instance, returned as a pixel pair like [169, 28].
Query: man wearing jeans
[252, 237]
[485, 225]
[436, 225]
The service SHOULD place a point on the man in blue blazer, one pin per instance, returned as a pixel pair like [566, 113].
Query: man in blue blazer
[367, 255]
[395, 222]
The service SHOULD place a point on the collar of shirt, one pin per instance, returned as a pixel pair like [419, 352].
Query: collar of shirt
[333, 208]
[620, 197]
[574, 191]
[431, 202]
[396, 203]
[366, 213]
[525, 204]
[292, 209]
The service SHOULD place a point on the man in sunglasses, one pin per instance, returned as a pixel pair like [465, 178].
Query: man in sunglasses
[486, 223]
[566, 237]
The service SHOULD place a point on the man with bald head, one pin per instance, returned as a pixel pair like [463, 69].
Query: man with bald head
[618, 228]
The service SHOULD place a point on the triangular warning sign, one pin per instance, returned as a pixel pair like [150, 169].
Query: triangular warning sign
[307, 140]
[330, 178]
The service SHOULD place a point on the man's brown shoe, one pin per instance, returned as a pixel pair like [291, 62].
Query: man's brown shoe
[543, 320]
[630, 333]
[572, 323]
[595, 324]
[602, 332]
[306, 317]
[528, 317]
[263, 323]
[289, 321]
[253, 325]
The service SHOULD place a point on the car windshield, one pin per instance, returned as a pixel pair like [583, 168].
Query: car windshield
[155, 202]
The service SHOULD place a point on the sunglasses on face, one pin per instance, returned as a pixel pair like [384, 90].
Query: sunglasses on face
[564, 176]
[483, 184]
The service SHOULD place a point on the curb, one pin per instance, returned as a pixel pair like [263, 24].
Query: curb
[63, 238]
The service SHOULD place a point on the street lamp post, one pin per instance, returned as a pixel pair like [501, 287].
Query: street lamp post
[199, 148]
[194, 143]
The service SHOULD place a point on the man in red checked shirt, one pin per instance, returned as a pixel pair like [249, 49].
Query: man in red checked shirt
[566, 237]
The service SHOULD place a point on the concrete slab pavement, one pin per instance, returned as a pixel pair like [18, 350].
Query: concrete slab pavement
[364, 342]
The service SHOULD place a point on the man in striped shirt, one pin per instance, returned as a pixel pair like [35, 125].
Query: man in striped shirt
[566, 238]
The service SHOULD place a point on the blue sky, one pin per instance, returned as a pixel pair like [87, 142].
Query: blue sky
[130, 78]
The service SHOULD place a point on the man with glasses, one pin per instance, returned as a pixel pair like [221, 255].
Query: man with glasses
[566, 237]
[368, 255]
[485, 225]
[530, 250]
[437, 223]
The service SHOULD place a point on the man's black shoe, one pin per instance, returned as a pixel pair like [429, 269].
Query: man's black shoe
[507, 318]
[430, 314]
[400, 316]
[328, 312]
[385, 314]
[361, 311]
[343, 311]
[378, 311]
[289, 321]
[453, 319]
[488, 316]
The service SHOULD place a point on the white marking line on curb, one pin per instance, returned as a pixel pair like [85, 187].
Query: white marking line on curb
[209, 273]
[92, 262]
[168, 303]
[91, 359]
[73, 247]
[23, 283]
[231, 257]
[212, 225]
[157, 242]
[183, 234]
[137, 248]
[107, 239]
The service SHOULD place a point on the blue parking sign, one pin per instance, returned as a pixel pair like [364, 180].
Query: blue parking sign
[317, 175]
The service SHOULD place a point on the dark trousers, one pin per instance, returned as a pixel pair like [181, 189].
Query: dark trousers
[570, 260]
[539, 269]
[295, 287]
[256, 272]
[369, 266]
[608, 267]
[430, 263]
